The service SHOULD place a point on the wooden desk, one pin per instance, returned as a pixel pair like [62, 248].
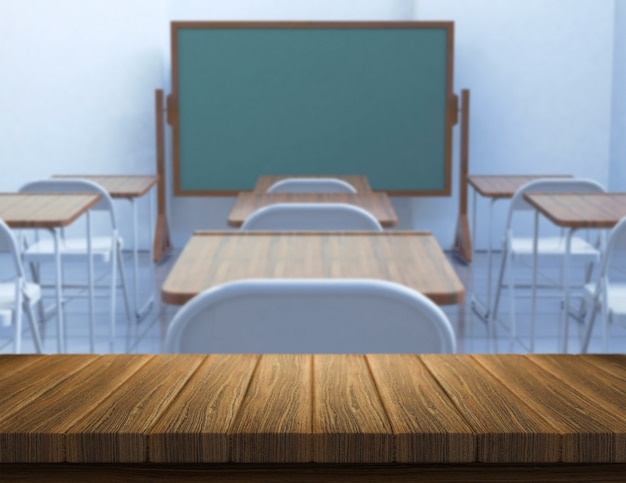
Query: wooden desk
[300, 417]
[51, 212]
[129, 187]
[495, 188]
[577, 211]
[413, 259]
[377, 204]
[360, 183]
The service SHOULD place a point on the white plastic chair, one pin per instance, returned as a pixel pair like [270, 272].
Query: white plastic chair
[310, 316]
[311, 185]
[606, 296]
[17, 295]
[107, 249]
[313, 217]
[553, 246]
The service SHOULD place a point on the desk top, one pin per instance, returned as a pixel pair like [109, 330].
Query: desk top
[119, 186]
[377, 204]
[40, 210]
[360, 182]
[580, 210]
[413, 259]
[299, 408]
[504, 186]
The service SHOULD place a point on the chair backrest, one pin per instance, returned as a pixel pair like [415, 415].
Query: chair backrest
[550, 185]
[8, 244]
[312, 217]
[310, 316]
[73, 186]
[615, 245]
[311, 185]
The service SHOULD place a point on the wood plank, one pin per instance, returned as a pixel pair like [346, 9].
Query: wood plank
[315, 473]
[427, 427]
[37, 210]
[614, 364]
[359, 182]
[274, 421]
[349, 421]
[507, 429]
[409, 258]
[21, 388]
[193, 429]
[38, 436]
[116, 431]
[12, 363]
[378, 204]
[590, 433]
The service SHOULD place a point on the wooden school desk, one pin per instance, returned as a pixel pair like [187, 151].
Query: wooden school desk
[129, 187]
[303, 417]
[359, 182]
[413, 259]
[51, 212]
[575, 211]
[377, 204]
[495, 188]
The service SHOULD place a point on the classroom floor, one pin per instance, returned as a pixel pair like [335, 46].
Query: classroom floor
[148, 335]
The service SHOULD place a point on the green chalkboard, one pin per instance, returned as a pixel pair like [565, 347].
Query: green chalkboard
[252, 99]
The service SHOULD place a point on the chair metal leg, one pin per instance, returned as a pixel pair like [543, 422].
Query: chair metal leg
[114, 252]
[34, 328]
[496, 299]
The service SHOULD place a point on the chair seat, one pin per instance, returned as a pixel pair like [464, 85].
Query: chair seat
[44, 249]
[554, 246]
[617, 301]
[7, 299]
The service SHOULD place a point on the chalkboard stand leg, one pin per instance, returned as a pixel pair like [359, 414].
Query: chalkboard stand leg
[162, 243]
[463, 240]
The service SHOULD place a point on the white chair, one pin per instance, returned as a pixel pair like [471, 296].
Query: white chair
[17, 295]
[311, 185]
[313, 217]
[310, 316]
[107, 249]
[609, 297]
[553, 246]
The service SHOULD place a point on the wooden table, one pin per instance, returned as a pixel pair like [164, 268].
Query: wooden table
[377, 204]
[50, 212]
[575, 211]
[302, 417]
[495, 188]
[413, 259]
[360, 182]
[129, 187]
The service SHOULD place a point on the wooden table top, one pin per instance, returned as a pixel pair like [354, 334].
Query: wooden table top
[119, 186]
[413, 259]
[41, 210]
[504, 186]
[360, 182]
[302, 408]
[580, 210]
[378, 204]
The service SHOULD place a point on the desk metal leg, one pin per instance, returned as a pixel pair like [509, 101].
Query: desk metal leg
[533, 299]
[566, 277]
[141, 312]
[59, 282]
[92, 321]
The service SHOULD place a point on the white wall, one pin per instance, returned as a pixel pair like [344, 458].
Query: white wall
[618, 119]
[78, 77]
[77, 87]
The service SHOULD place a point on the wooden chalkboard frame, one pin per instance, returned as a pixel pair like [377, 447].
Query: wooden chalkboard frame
[451, 99]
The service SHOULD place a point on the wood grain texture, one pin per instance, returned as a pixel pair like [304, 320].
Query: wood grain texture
[590, 432]
[349, 422]
[359, 182]
[413, 259]
[116, 431]
[315, 473]
[39, 434]
[614, 364]
[580, 210]
[426, 425]
[507, 429]
[274, 421]
[504, 186]
[378, 204]
[194, 427]
[12, 363]
[40, 210]
[119, 186]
